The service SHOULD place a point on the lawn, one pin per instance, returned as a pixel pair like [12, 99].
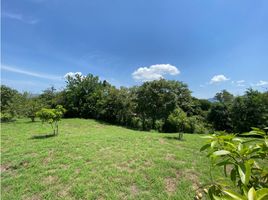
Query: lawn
[93, 160]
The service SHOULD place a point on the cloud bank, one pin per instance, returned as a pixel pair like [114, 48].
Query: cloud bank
[218, 78]
[154, 72]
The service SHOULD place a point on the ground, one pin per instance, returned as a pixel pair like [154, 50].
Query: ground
[93, 160]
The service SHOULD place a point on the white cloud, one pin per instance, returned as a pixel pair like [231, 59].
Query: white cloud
[218, 78]
[29, 73]
[240, 83]
[19, 17]
[261, 83]
[72, 74]
[154, 72]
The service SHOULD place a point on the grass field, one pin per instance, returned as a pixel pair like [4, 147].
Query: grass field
[92, 160]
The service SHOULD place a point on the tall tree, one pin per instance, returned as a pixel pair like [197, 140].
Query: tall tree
[250, 110]
[157, 99]
[224, 97]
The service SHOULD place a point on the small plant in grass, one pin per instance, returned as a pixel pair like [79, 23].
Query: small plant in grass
[52, 116]
[243, 162]
[178, 121]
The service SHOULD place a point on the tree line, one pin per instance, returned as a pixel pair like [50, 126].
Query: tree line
[163, 105]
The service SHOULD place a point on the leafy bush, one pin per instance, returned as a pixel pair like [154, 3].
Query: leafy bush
[136, 123]
[159, 125]
[32, 106]
[52, 116]
[245, 161]
[178, 121]
[6, 117]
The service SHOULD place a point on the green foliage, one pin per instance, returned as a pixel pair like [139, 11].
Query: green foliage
[250, 110]
[224, 97]
[51, 116]
[178, 121]
[242, 162]
[219, 116]
[7, 97]
[157, 99]
[6, 117]
[159, 125]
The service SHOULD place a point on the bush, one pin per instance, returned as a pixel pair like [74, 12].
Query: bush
[52, 116]
[159, 125]
[245, 162]
[6, 117]
[136, 123]
[178, 121]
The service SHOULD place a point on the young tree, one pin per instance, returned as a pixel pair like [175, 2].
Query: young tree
[32, 106]
[178, 120]
[52, 116]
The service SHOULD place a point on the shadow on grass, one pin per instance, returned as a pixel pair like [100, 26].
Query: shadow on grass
[43, 136]
[174, 138]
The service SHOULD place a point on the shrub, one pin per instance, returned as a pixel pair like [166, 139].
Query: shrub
[6, 117]
[178, 121]
[159, 125]
[136, 123]
[244, 159]
[52, 116]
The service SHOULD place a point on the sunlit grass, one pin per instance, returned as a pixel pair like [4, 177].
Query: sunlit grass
[92, 160]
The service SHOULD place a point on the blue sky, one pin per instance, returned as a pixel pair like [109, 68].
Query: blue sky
[210, 45]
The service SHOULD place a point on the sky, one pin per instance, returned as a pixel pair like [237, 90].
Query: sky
[210, 45]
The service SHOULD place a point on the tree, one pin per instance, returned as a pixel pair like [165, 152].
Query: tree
[219, 116]
[178, 121]
[52, 116]
[32, 106]
[82, 94]
[8, 96]
[224, 97]
[157, 99]
[48, 97]
[250, 110]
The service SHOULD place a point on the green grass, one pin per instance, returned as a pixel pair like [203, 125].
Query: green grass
[91, 160]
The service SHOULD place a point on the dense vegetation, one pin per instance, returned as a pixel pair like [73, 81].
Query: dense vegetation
[164, 105]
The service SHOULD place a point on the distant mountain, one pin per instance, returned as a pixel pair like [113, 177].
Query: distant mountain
[212, 100]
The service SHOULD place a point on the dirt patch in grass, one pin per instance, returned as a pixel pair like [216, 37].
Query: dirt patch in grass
[49, 158]
[147, 164]
[170, 157]
[33, 197]
[64, 192]
[7, 167]
[50, 180]
[63, 166]
[193, 177]
[77, 171]
[124, 167]
[170, 185]
[134, 190]
[4, 167]
[162, 141]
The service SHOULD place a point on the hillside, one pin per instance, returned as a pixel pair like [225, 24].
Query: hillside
[92, 160]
